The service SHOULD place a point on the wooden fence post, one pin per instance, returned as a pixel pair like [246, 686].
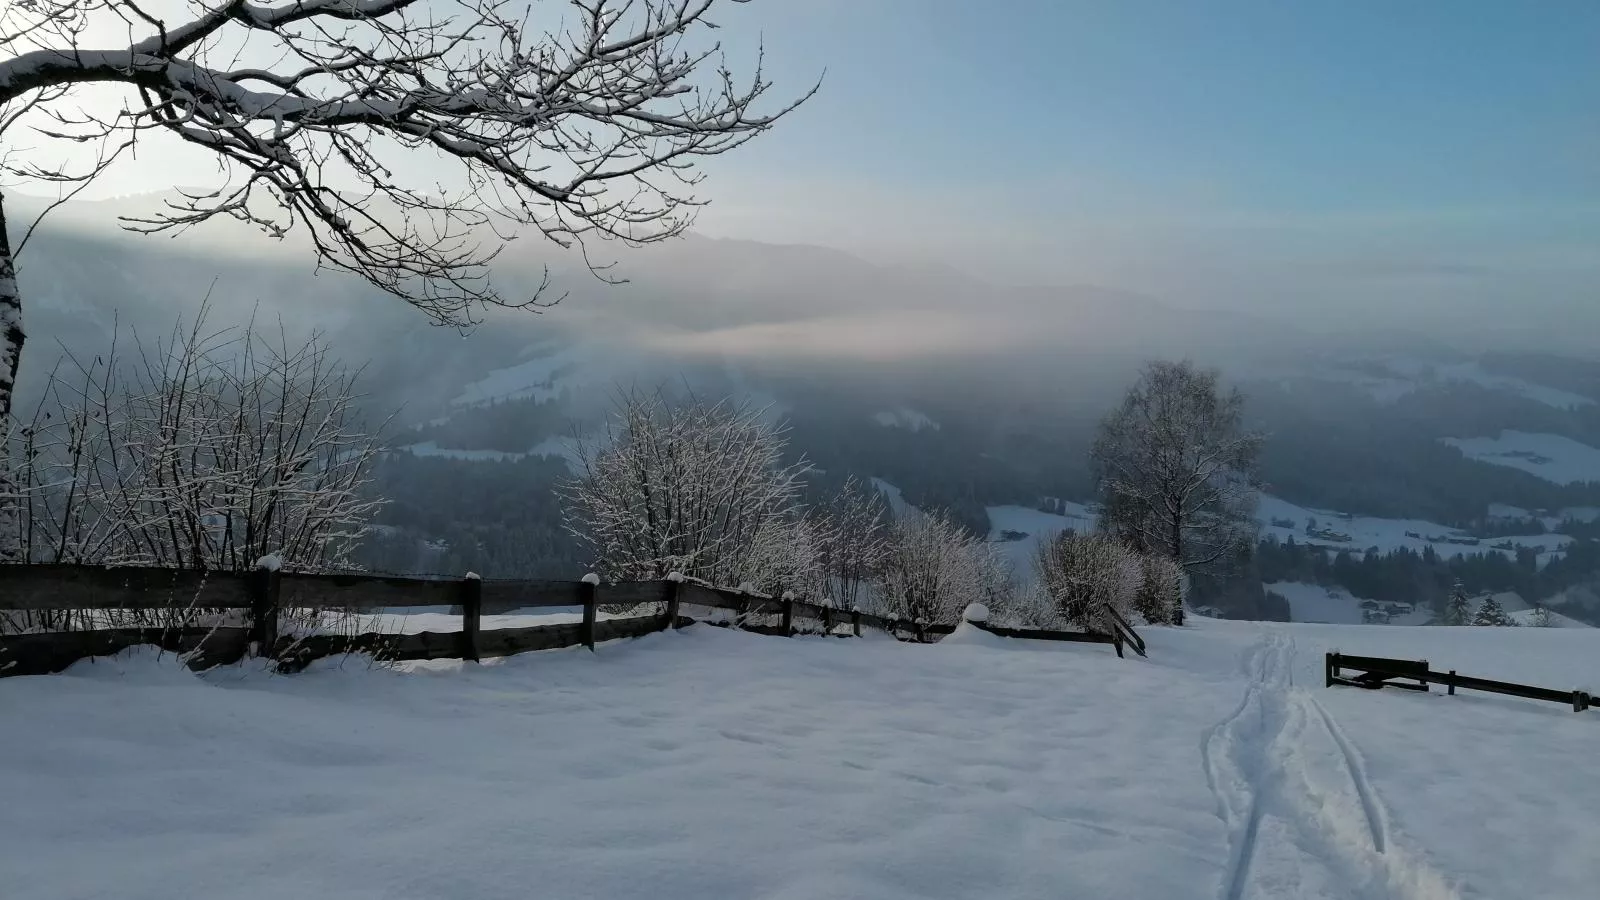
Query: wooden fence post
[855, 621]
[827, 621]
[788, 614]
[471, 615]
[264, 588]
[1580, 701]
[1426, 669]
[672, 602]
[587, 593]
[1452, 682]
[1327, 670]
[922, 633]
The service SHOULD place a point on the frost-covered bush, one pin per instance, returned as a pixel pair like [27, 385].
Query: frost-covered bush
[1160, 592]
[691, 487]
[932, 568]
[222, 450]
[1080, 574]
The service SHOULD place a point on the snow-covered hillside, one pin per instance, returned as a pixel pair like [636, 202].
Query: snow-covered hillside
[1017, 531]
[908, 419]
[1552, 457]
[1337, 606]
[1282, 520]
[711, 763]
[549, 374]
[1388, 379]
[432, 448]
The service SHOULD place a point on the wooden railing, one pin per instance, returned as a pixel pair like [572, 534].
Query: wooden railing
[258, 599]
[1374, 672]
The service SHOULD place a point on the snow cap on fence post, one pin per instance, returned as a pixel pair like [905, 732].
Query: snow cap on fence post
[592, 579]
[676, 577]
[473, 576]
[747, 588]
[787, 595]
[272, 562]
[975, 612]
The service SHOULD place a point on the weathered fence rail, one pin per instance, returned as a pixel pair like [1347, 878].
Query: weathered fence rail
[259, 599]
[1374, 672]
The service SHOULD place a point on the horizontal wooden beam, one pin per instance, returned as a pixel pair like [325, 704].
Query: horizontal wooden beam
[1083, 637]
[42, 654]
[44, 587]
[302, 591]
[500, 597]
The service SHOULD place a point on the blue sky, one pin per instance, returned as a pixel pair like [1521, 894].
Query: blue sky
[1294, 106]
[1413, 134]
[1211, 152]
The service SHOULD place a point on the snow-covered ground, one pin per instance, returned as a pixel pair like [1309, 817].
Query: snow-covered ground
[1387, 534]
[1550, 456]
[711, 763]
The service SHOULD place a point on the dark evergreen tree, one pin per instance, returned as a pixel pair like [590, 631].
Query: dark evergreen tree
[1456, 612]
[1490, 613]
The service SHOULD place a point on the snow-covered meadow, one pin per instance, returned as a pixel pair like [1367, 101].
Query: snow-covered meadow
[1282, 520]
[712, 763]
[1553, 457]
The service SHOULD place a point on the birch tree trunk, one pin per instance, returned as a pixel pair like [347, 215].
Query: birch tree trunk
[10, 356]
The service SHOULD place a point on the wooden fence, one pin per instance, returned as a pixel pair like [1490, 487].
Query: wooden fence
[1374, 672]
[260, 597]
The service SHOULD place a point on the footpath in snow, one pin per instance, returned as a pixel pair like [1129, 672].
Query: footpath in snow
[711, 763]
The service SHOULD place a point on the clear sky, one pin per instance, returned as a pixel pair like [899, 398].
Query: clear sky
[1217, 152]
[1051, 138]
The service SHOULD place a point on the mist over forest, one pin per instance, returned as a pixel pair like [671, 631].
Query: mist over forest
[961, 393]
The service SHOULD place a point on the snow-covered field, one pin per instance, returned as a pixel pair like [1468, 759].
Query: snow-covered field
[1035, 525]
[711, 763]
[1386, 534]
[1389, 379]
[546, 376]
[432, 448]
[1337, 606]
[1550, 456]
[909, 419]
[892, 496]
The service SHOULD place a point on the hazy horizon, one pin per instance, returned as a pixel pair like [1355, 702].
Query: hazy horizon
[1402, 163]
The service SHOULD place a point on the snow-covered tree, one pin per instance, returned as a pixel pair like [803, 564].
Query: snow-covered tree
[692, 487]
[1160, 593]
[1176, 469]
[932, 569]
[1541, 616]
[852, 527]
[1490, 613]
[1082, 574]
[1457, 610]
[209, 449]
[574, 122]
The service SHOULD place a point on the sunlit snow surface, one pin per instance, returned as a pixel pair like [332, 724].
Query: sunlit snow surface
[711, 763]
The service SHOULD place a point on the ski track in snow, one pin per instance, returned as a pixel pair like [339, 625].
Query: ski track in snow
[1302, 815]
